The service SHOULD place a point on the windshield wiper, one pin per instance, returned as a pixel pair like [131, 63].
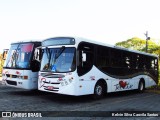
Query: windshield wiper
[16, 57]
[48, 52]
[59, 53]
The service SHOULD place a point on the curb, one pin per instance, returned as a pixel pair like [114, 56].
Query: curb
[153, 91]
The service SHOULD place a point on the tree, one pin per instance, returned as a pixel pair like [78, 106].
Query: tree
[1, 64]
[136, 43]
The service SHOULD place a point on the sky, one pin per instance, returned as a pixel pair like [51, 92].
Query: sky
[108, 21]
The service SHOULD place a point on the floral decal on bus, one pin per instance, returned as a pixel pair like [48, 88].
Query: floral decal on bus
[42, 82]
[123, 85]
[5, 75]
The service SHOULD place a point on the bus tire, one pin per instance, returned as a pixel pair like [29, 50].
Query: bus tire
[141, 86]
[99, 91]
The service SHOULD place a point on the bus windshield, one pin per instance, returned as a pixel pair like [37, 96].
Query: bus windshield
[58, 59]
[19, 56]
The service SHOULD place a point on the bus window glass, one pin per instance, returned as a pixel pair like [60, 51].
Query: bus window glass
[19, 56]
[85, 66]
[58, 60]
[26, 47]
[152, 64]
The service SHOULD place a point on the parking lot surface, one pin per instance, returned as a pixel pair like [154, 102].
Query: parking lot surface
[81, 107]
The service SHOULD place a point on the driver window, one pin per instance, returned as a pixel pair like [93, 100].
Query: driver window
[85, 64]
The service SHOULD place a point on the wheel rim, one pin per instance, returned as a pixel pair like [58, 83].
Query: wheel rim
[98, 90]
[141, 86]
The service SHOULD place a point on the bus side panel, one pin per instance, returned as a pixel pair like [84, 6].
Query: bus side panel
[88, 81]
[149, 82]
[32, 79]
[122, 85]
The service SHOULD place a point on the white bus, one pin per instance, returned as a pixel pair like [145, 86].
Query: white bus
[77, 66]
[20, 69]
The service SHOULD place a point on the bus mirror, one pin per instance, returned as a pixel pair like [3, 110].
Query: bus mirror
[37, 54]
[83, 56]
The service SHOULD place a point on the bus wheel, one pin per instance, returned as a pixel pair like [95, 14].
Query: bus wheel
[98, 91]
[141, 86]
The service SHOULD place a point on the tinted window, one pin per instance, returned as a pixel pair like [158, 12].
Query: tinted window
[88, 50]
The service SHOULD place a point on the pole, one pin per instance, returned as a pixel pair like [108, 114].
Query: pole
[147, 38]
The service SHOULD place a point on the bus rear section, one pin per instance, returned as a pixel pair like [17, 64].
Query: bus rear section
[20, 69]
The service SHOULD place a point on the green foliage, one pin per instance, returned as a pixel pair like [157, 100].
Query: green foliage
[140, 44]
[1, 64]
[133, 43]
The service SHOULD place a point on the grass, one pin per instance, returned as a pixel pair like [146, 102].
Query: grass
[155, 89]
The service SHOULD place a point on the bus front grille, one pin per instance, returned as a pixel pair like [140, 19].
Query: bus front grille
[51, 82]
[51, 88]
[11, 82]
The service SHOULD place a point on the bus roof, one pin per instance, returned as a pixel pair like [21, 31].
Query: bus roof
[78, 39]
[26, 41]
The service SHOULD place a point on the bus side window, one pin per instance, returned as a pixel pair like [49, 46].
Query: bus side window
[152, 64]
[85, 58]
[156, 64]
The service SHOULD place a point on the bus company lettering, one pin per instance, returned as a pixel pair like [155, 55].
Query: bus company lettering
[92, 77]
[123, 85]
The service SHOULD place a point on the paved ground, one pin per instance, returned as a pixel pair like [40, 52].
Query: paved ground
[12, 99]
